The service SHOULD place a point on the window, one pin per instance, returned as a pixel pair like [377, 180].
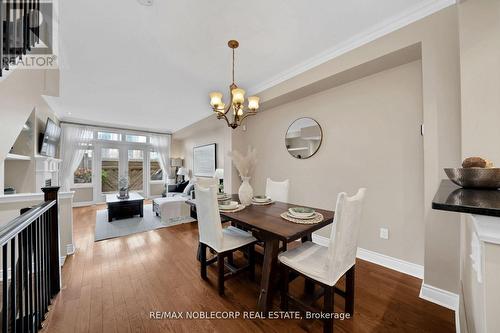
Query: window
[83, 174]
[135, 169]
[156, 171]
[109, 136]
[110, 160]
[136, 138]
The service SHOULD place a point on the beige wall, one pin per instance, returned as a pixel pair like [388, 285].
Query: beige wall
[371, 138]
[206, 131]
[480, 78]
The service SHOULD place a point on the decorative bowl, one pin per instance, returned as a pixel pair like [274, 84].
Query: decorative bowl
[261, 198]
[487, 178]
[301, 212]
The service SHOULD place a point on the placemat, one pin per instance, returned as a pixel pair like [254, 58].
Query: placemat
[317, 219]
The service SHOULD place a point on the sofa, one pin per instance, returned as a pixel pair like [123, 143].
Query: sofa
[173, 205]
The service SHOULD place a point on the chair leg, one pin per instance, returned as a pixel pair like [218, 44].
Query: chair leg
[309, 287]
[328, 309]
[203, 260]
[349, 298]
[251, 261]
[284, 287]
[230, 259]
[220, 273]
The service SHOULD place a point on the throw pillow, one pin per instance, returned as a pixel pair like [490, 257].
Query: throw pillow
[181, 186]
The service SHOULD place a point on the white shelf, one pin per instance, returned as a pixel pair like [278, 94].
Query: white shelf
[298, 148]
[17, 157]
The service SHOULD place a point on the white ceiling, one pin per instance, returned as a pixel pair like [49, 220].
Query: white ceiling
[128, 65]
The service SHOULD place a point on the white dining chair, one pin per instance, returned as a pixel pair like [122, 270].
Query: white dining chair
[223, 241]
[277, 191]
[326, 265]
[206, 181]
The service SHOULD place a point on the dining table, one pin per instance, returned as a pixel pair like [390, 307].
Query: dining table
[267, 225]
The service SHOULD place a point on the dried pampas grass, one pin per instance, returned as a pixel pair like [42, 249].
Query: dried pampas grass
[244, 164]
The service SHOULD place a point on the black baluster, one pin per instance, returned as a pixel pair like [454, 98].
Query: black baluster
[26, 280]
[13, 283]
[29, 280]
[5, 289]
[38, 274]
[44, 273]
[20, 259]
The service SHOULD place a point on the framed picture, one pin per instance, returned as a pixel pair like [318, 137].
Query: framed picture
[204, 160]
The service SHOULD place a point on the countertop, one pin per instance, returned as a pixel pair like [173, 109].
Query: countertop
[453, 198]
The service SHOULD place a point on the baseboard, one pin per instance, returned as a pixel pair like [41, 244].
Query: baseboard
[70, 249]
[381, 259]
[441, 297]
[62, 259]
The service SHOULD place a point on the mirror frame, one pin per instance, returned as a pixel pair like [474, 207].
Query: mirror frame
[320, 142]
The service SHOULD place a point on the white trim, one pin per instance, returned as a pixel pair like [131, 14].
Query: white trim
[441, 297]
[62, 259]
[70, 249]
[23, 197]
[381, 259]
[383, 28]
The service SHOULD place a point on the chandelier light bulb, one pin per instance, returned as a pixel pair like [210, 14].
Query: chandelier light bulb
[238, 96]
[215, 99]
[253, 103]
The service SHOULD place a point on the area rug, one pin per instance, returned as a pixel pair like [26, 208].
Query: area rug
[133, 225]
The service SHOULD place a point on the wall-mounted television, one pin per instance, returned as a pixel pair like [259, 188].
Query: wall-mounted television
[49, 139]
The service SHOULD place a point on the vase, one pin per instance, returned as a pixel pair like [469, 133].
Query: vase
[245, 192]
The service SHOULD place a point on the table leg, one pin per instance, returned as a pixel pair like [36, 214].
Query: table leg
[141, 209]
[271, 248]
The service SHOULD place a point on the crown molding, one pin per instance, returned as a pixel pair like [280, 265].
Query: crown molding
[392, 24]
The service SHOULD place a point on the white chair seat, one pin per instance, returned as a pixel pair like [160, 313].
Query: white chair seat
[309, 259]
[233, 238]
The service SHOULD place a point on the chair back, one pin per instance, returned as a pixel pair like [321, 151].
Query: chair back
[207, 209]
[277, 191]
[206, 181]
[345, 231]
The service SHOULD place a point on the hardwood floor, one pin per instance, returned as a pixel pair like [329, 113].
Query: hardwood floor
[113, 285]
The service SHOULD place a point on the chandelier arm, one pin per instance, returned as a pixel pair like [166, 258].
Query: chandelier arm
[223, 115]
[248, 113]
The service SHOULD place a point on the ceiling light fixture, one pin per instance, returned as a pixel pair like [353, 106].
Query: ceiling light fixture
[237, 100]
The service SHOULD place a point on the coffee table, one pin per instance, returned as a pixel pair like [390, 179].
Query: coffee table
[123, 208]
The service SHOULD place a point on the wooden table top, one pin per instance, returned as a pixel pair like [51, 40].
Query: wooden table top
[267, 219]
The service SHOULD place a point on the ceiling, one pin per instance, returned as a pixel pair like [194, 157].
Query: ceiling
[134, 66]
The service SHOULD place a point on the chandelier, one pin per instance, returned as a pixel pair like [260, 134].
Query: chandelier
[236, 105]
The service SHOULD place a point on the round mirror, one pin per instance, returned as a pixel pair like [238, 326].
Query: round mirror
[303, 138]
